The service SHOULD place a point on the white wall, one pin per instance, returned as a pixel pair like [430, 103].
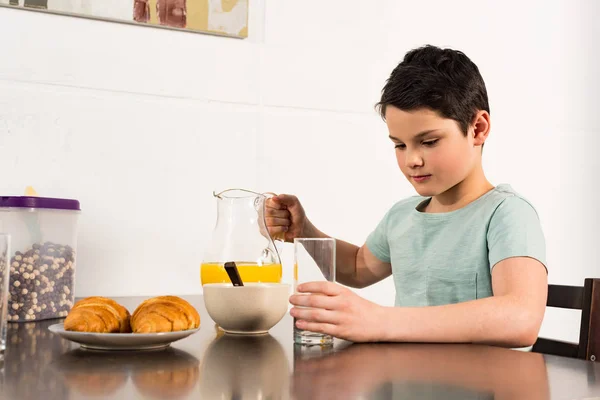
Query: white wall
[141, 124]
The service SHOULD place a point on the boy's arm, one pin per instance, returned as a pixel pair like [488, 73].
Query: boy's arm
[355, 266]
[511, 318]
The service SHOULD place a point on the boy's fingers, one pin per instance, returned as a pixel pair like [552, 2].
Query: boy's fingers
[314, 301]
[278, 222]
[273, 204]
[314, 315]
[286, 199]
[272, 212]
[277, 231]
[320, 327]
[323, 287]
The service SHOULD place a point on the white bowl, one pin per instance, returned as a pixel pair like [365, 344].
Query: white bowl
[250, 309]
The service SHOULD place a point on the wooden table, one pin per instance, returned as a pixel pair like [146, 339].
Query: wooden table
[210, 365]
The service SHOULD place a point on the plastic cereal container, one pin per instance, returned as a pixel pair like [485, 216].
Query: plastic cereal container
[43, 255]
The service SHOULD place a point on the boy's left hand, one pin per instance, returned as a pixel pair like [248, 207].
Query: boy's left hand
[337, 311]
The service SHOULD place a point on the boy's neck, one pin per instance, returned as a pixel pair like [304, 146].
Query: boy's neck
[465, 192]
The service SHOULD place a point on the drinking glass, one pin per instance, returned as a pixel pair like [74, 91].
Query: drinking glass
[314, 260]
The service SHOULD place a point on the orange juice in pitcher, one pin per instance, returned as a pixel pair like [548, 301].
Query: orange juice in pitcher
[249, 272]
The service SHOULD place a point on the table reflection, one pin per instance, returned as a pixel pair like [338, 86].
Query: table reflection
[169, 373]
[424, 371]
[245, 367]
[172, 377]
[31, 348]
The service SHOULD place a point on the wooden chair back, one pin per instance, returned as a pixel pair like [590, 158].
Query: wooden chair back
[587, 299]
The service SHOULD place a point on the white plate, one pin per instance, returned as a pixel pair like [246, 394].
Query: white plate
[121, 341]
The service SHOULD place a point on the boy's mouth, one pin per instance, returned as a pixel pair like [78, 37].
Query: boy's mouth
[420, 178]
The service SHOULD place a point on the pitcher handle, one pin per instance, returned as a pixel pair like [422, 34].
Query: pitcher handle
[269, 195]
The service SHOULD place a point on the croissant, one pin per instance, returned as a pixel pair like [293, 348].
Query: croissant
[98, 314]
[164, 314]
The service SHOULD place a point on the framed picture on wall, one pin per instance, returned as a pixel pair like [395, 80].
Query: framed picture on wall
[219, 17]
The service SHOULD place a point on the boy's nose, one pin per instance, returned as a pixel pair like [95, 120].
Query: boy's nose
[413, 159]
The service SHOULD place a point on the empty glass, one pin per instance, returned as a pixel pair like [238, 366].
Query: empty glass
[314, 260]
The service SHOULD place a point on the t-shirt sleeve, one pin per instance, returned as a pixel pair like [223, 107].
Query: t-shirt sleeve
[377, 241]
[515, 231]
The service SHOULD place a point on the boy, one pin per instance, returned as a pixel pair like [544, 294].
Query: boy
[467, 258]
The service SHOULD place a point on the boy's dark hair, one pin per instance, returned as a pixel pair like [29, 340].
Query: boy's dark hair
[443, 80]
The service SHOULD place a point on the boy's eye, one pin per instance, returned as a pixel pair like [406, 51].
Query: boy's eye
[400, 146]
[430, 142]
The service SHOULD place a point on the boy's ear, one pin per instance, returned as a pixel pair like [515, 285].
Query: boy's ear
[481, 127]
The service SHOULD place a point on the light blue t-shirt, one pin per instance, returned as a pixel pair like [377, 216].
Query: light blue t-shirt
[445, 258]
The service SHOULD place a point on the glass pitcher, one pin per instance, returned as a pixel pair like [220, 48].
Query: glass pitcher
[240, 235]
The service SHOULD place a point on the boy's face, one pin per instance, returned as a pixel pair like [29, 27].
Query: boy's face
[432, 152]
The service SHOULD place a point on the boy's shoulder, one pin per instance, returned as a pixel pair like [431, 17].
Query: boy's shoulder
[504, 191]
[501, 195]
[505, 195]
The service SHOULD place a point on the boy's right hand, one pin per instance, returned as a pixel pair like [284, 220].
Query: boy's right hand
[286, 218]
